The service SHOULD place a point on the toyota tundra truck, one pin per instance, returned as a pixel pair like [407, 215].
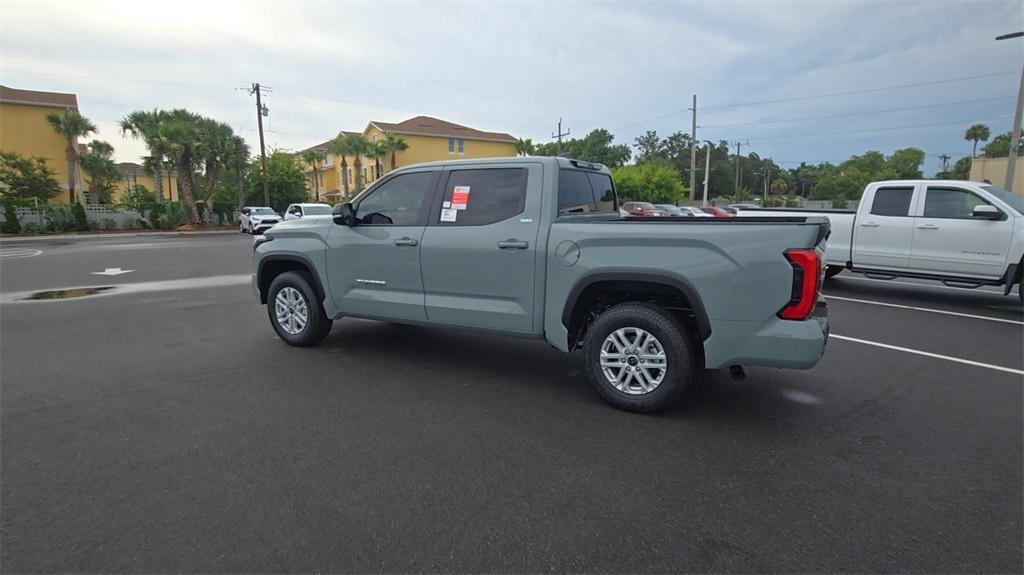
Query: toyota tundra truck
[536, 247]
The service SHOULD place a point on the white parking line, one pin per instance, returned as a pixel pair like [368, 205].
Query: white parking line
[929, 310]
[132, 288]
[18, 253]
[928, 354]
[936, 285]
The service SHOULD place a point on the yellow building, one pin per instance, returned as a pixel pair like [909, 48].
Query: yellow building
[24, 129]
[136, 175]
[429, 139]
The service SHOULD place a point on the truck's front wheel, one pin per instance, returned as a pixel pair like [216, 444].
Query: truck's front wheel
[639, 357]
[295, 312]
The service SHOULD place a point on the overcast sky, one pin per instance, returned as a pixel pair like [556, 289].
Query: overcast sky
[518, 66]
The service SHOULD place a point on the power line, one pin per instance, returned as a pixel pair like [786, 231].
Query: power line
[119, 79]
[864, 113]
[842, 132]
[820, 96]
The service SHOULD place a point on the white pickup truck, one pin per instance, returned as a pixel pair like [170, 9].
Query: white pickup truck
[964, 234]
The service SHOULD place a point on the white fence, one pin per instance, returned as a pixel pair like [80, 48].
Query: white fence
[104, 217]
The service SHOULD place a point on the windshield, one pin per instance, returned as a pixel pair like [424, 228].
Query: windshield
[317, 210]
[262, 212]
[1014, 201]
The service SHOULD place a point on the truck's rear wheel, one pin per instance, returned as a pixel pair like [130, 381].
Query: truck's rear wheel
[295, 312]
[639, 357]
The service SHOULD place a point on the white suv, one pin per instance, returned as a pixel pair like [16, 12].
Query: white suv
[296, 211]
[256, 220]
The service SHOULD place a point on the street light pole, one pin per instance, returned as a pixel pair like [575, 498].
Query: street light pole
[1011, 161]
[707, 173]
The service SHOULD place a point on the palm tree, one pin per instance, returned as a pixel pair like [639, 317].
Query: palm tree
[212, 151]
[71, 125]
[98, 163]
[359, 146]
[378, 150]
[342, 147]
[146, 125]
[977, 133]
[525, 147]
[314, 158]
[395, 143]
[180, 129]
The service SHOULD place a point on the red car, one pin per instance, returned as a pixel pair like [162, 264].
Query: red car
[643, 209]
[717, 212]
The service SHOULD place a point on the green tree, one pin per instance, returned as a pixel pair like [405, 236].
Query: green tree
[779, 187]
[976, 133]
[961, 169]
[649, 147]
[341, 147]
[138, 198]
[359, 147]
[286, 181]
[237, 157]
[314, 159]
[213, 149]
[98, 163]
[651, 182]
[377, 150]
[11, 225]
[146, 125]
[394, 144]
[525, 147]
[71, 125]
[903, 164]
[596, 146]
[999, 147]
[22, 177]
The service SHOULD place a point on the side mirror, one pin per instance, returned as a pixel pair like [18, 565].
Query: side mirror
[987, 212]
[344, 215]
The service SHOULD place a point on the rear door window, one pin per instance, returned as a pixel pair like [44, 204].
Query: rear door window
[582, 192]
[483, 196]
[892, 202]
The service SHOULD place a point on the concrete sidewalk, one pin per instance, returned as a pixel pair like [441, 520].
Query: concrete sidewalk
[16, 239]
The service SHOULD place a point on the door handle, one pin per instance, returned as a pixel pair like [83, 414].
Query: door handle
[406, 242]
[513, 244]
[869, 224]
[927, 227]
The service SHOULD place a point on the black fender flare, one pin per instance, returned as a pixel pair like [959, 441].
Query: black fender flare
[640, 275]
[295, 257]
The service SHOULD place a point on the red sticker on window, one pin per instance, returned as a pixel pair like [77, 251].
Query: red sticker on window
[460, 197]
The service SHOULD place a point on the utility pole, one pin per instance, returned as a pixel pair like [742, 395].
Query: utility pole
[1011, 161]
[559, 135]
[945, 161]
[260, 112]
[738, 174]
[767, 182]
[693, 150]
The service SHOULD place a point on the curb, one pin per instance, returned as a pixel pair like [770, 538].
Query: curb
[109, 235]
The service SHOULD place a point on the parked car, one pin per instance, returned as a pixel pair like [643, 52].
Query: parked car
[743, 206]
[296, 211]
[643, 209]
[717, 212]
[966, 234]
[256, 220]
[499, 245]
[681, 211]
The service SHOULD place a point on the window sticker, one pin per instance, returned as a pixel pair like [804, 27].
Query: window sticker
[446, 204]
[460, 197]
[449, 214]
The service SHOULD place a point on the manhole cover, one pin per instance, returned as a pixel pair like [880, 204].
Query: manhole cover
[69, 293]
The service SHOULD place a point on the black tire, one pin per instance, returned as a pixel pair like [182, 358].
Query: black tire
[676, 342]
[833, 271]
[318, 325]
[241, 229]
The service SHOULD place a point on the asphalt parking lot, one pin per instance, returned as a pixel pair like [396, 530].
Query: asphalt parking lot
[170, 430]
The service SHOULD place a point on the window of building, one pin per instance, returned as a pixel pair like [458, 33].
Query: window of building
[892, 202]
[953, 203]
[451, 145]
[490, 195]
[327, 160]
[462, 146]
[399, 201]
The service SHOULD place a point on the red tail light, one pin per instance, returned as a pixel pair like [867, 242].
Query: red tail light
[806, 284]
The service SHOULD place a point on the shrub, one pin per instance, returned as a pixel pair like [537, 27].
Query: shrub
[34, 229]
[109, 224]
[11, 223]
[81, 223]
[59, 217]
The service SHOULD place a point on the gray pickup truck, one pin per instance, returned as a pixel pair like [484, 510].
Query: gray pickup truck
[537, 247]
